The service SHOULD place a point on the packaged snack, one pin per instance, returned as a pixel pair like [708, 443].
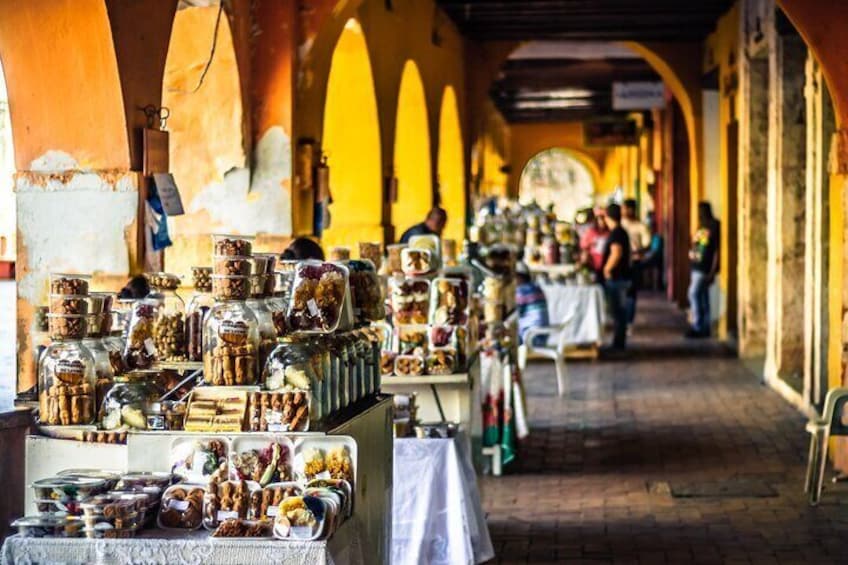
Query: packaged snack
[69, 304]
[426, 242]
[281, 410]
[49, 526]
[416, 262]
[411, 339]
[449, 303]
[232, 245]
[181, 508]
[198, 307]
[198, 460]
[230, 349]
[141, 480]
[230, 287]
[339, 253]
[410, 300]
[216, 409]
[201, 278]
[66, 284]
[265, 503]
[441, 361]
[449, 253]
[338, 463]
[409, 365]
[366, 291]
[225, 501]
[66, 326]
[300, 517]
[105, 530]
[371, 251]
[231, 265]
[317, 297]
[140, 348]
[387, 362]
[269, 464]
[244, 529]
[394, 263]
[68, 489]
[126, 402]
[169, 335]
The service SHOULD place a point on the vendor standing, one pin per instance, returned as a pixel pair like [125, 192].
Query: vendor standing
[434, 224]
[616, 271]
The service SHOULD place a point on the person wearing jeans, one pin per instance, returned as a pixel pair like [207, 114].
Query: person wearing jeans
[616, 272]
[704, 260]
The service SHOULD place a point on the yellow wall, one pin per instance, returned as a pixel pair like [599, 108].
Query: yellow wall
[721, 52]
[411, 153]
[351, 141]
[451, 166]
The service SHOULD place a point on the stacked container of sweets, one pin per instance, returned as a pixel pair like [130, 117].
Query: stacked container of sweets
[430, 312]
[66, 369]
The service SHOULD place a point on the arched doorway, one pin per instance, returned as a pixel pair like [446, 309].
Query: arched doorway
[351, 141]
[412, 152]
[556, 177]
[451, 166]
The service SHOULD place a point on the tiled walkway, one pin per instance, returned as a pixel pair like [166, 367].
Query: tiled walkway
[592, 483]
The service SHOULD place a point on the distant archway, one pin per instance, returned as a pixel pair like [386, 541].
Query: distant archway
[351, 140]
[451, 166]
[555, 176]
[411, 152]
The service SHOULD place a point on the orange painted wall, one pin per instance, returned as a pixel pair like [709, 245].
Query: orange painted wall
[63, 82]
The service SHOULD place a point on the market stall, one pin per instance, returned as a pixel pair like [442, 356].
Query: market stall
[249, 423]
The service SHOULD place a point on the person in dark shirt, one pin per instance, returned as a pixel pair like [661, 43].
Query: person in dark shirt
[704, 261]
[616, 273]
[433, 225]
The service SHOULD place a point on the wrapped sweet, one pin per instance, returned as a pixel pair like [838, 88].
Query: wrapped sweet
[409, 365]
[393, 257]
[410, 300]
[441, 361]
[140, 346]
[366, 291]
[387, 362]
[449, 304]
[169, 335]
[411, 339]
[416, 262]
[317, 297]
[371, 251]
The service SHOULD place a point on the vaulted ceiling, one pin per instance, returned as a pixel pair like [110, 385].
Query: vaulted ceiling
[566, 70]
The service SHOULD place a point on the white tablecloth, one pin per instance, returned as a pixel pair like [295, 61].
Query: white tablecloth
[437, 517]
[585, 302]
[179, 548]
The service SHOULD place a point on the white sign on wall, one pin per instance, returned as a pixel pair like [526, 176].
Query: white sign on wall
[638, 95]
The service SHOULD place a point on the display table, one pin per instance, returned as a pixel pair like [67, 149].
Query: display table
[554, 270]
[438, 518]
[369, 422]
[158, 546]
[584, 304]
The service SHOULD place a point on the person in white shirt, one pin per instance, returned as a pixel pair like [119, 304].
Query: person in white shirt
[640, 242]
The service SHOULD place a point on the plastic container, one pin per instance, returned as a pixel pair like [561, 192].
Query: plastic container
[449, 302]
[283, 410]
[104, 530]
[300, 518]
[199, 459]
[318, 296]
[366, 292]
[264, 317]
[339, 253]
[69, 304]
[371, 251]
[261, 460]
[411, 339]
[66, 384]
[230, 345]
[387, 362]
[140, 480]
[226, 500]
[441, 361]
[49, 526]
[69, 284]
[394, 264]
[233, 245]
[68, 488]
[410, 300]
[201, 278]
[409, 365]
[450, 256]
[110, 477]
[237, 529]
[140, 347]
[181, 508]
[127, 402]
[265, 503]
[169, 335]
[230, 265]
[230, 287]
[67, 326]
[416, 262]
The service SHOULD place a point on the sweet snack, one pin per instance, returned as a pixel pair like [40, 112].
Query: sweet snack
[235, 528]
[371, 251]
[72, 285]
[410, 300]
[366, 291]
[409, 365]
[441, 361]
[387, 362]
[317, 297]
[230, 287]
[181, 508]
[140, 348]
[416, 261]
[271, 464]
[216, 410]
[449, 304]
[278, 411]
[411, 339]
[299, 517]
[232, 245]
[66, 326]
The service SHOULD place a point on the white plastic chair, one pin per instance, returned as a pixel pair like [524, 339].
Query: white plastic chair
[556, 353]
[820, 429]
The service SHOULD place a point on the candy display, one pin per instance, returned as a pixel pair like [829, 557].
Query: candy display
[317, 297]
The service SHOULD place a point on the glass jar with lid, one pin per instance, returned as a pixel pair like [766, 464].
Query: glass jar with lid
[169, 334]
[126, 404]
[66, 375]
[199, 305]
[230, 344]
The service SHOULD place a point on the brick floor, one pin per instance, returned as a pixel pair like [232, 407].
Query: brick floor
[590, 485]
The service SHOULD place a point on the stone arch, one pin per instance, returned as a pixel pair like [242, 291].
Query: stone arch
[451, 165]
[351, 141]
[411, 152]
[586, 178]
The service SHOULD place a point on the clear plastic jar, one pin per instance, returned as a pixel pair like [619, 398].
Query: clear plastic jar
[127, 402]
[66, 384]
[230, 345]
[169, 334]
[199, 305]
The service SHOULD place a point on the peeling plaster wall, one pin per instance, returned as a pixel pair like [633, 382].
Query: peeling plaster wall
[69, 220]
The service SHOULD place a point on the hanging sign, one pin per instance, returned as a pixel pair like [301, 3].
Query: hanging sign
[169, 194]
[638, 95]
